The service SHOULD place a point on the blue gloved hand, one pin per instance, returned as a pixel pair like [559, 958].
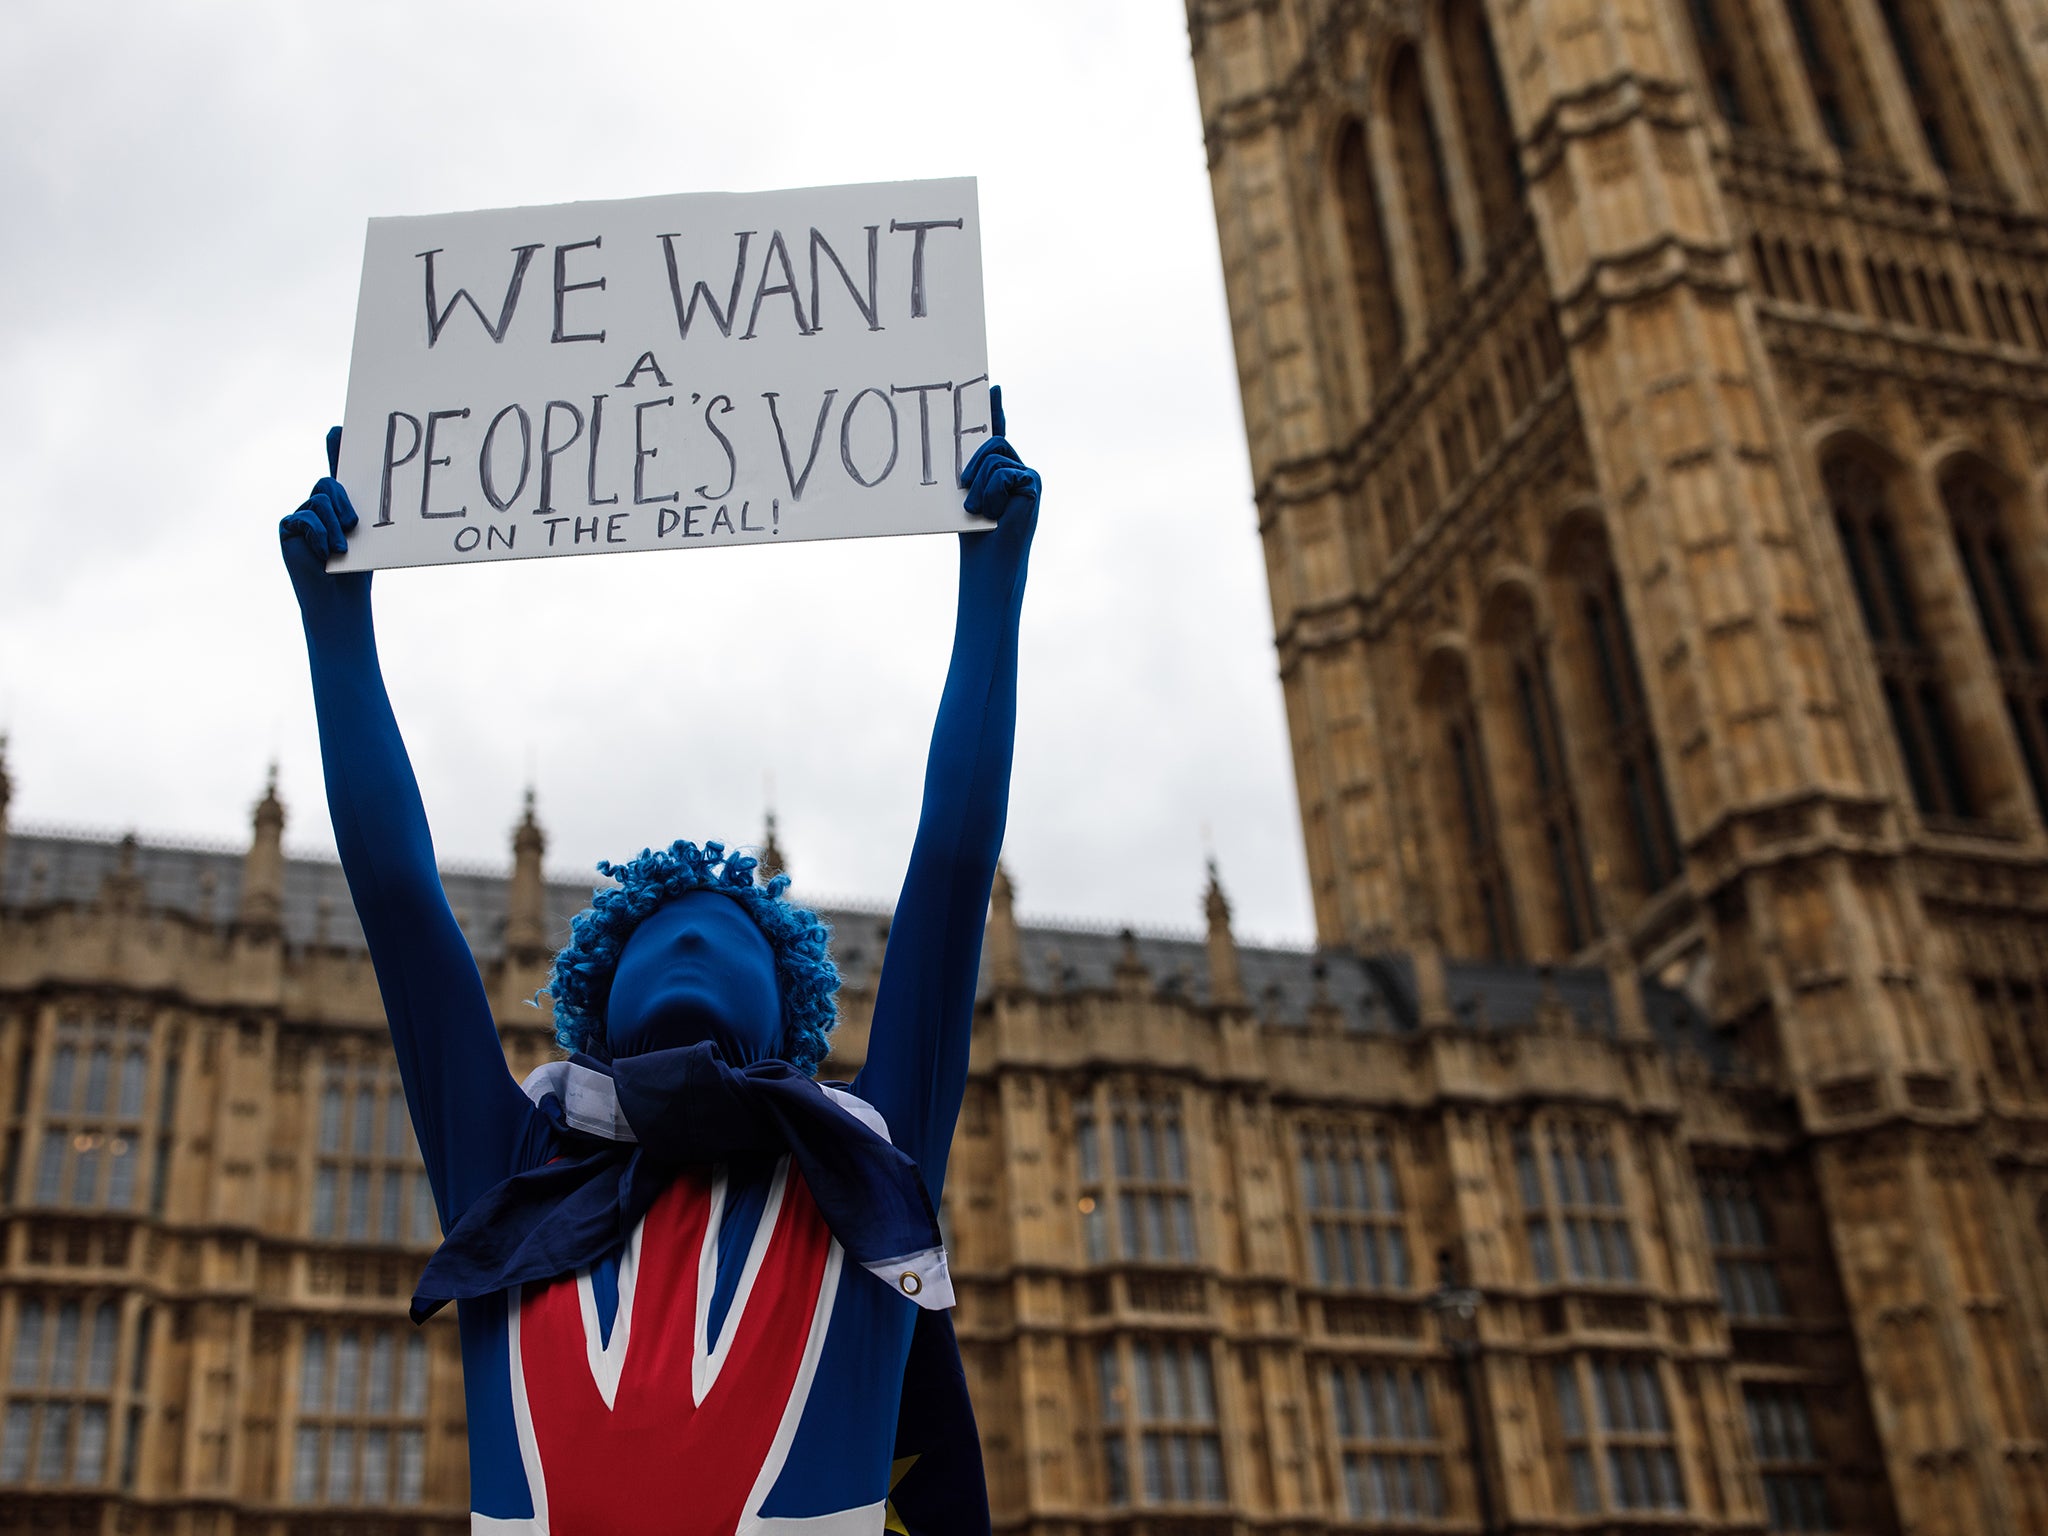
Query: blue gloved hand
[999, 483]
[318, 530]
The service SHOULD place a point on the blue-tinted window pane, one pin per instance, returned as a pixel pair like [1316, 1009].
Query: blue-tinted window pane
[28, 1344]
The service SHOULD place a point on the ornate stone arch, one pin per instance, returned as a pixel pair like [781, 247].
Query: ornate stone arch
[1985, 508]
[1458, 787]
[1360, 201]
[1838, 76]
[1630, 824]
[1574, 527]
[1510, 594]
[1727, 47]
[1924, 51]
[1959, 455]
[1871, 500]
[1430, 225]
[1534, 762]
[1851, 434]
[1445, 665]
[1485, 118]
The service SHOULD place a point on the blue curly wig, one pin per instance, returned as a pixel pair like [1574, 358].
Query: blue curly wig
[581, 984]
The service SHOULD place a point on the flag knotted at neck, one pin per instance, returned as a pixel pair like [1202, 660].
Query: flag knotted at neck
[625, 1128]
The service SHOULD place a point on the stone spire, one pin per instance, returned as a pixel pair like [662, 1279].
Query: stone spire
[262, 906]
[121, 889]
[1132, 977]
[526, 923]
[772, 862]
[1432, 981]
[1226, 982]
[1005, 942]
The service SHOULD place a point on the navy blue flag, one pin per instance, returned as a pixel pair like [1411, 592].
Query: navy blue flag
[936, 1485]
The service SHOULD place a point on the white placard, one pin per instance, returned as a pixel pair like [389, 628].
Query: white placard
[665, 373]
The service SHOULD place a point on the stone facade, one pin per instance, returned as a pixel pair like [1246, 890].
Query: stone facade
[1648, 407]
[1648, 402]
[1195, 1187]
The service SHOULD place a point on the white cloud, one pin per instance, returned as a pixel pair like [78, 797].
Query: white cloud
[187, 186]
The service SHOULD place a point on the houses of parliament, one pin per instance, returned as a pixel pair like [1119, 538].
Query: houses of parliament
[1648, 411]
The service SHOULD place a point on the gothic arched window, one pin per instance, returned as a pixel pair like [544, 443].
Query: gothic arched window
[1472, 787]
[1736, 73]
[1834, 70]
[1908, 670]
[1976, 514]
[1489, 129]
[1939, 100]
[1371, 273]
[1432, 232]
[1557, 817]
[1631, 745]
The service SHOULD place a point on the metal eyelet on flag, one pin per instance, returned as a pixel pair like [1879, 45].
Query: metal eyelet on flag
[910, 1283]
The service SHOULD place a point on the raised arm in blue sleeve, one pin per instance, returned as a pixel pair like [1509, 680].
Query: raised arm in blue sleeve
[916, 1070]
[468, 1113]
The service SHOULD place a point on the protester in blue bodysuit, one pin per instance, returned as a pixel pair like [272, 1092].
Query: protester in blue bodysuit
[690, 1279]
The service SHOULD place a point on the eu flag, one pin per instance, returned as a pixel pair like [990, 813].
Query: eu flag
[937, 1485]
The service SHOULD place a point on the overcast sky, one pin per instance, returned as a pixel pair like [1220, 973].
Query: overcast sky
[185, 190]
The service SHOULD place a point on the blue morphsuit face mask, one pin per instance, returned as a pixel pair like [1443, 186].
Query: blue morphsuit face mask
[698, 969]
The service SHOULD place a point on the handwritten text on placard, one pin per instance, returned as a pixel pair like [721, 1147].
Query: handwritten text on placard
[665, 373]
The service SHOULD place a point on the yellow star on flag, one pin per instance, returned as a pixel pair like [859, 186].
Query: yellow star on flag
[897, 1469]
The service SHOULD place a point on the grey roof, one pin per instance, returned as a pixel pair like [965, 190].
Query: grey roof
[206, 882]
[1284, 985]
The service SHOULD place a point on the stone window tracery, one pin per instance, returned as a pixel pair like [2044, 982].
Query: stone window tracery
[1471, 788]
[361, 1435]
[93, 1131]
[1372, 281]
[1836, 76]
[1160, 1438]
[58, 1425]
[2001, 320]
[1534, 705]
[1976, 515]
[1724, 33]
[1351, 1203]
[1909, 673]
[1629, 741]
[1887, 286]
[369, 1185]
[2010, 1011]
[1389, 1452]
[1488, 126]
[1795, 1485]
[1136, 1198]
[1745, 1258]
[2037, 326]
[1622, 1456]
[1573, 1213]
[1432, 231]
[1942, 105]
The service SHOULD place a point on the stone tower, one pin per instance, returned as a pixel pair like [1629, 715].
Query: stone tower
[1648, 410]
